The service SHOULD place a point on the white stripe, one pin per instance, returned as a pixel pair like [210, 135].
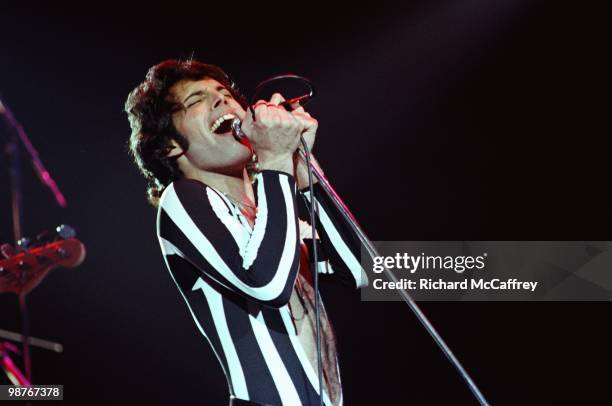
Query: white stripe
[171, 204]
[282, 380]
[325, 267]
[299, 350]
[170, 249]
[235, 228]
[343, 250]
[215, 303]
[236, 212]
[261, 221]
[245, 223]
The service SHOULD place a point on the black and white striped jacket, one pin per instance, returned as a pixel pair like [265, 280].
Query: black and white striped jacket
[237, 280]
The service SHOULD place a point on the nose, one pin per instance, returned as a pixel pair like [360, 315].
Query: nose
[218, 99]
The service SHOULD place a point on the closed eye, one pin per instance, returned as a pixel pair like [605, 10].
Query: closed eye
[199, 96]
[194, 102]
[196, 96]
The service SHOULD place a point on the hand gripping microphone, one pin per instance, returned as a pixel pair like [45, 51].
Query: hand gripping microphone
[288, 105]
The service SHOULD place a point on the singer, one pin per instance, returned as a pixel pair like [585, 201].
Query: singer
[230, 229]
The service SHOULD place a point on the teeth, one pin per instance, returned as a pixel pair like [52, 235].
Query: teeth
[220, 120]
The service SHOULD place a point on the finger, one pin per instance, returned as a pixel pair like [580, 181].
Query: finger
[286, 117]
[260, 103]
[301, 113]
[277, 98]
[291, 119]
[265, 109]
[293, 105]
[303, 124]
[306, 119]
[262, 111]
[297, 107]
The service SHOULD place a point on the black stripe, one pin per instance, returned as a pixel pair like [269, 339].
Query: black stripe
[199, 306]
[344, 229]
[172, 233]
[283, 345]
[276, 226]
[260, 385]
[341, 271]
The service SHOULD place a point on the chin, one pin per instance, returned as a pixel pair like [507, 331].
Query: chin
[237, 165]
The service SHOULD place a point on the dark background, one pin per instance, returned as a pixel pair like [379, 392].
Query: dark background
[450, 120]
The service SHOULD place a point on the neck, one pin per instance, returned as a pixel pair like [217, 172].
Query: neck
[234, 185]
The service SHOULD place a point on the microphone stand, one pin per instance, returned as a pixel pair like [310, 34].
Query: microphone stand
[13, 151]
[373, 252]
[350, 220]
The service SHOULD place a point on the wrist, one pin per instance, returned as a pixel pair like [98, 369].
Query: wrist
[301, 171]
[281, 163]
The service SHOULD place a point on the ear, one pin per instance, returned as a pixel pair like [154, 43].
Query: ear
[174, 150]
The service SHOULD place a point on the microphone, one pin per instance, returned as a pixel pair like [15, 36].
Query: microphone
[239, 135]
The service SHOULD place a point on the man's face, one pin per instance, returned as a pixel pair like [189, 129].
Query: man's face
[205, 109]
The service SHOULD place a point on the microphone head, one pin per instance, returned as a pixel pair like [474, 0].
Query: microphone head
[237, 130]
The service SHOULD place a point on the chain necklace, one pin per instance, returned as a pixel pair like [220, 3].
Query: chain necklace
[239, 203]
[246, 209]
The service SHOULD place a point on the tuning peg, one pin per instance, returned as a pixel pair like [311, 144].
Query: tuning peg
[45, 237]
[65, 231]
[24, 243]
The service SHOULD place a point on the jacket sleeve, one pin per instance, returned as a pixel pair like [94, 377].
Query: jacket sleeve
[340, 243]
[195, 223]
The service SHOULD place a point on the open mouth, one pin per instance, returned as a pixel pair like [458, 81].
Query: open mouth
[223, 124]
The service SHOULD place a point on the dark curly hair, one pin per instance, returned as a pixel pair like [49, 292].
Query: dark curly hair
[150, 116]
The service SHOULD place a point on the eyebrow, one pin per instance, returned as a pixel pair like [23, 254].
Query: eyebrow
[201, 92]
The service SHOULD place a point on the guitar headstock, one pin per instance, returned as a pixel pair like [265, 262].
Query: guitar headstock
[22, 271]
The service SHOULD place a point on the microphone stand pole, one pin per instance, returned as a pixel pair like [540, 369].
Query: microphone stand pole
[12, 150]
[373, 252]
